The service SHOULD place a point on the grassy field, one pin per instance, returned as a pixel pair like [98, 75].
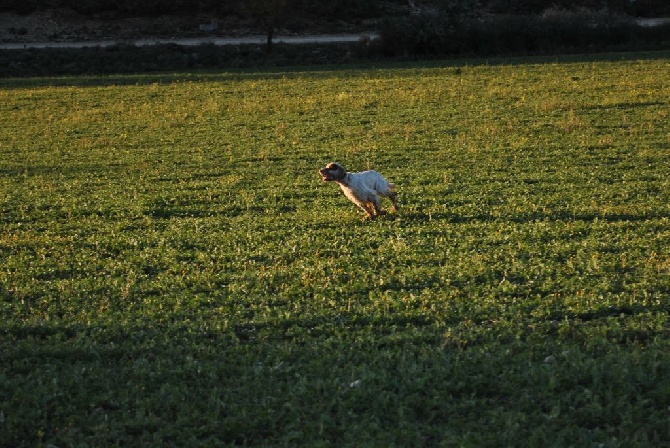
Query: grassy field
[173, 272]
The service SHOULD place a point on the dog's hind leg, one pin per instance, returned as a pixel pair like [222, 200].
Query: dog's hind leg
[368, 208]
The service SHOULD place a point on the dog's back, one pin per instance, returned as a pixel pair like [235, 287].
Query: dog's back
[373, 180]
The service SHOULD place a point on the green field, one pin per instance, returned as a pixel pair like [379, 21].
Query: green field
[173, 272]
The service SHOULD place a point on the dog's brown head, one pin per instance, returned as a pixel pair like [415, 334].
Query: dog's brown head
[333, 171]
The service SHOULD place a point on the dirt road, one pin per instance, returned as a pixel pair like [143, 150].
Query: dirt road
[247, 40]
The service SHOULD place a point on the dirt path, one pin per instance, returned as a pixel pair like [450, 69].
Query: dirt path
[193, 41]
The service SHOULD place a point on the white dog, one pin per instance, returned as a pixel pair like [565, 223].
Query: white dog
[363, 189]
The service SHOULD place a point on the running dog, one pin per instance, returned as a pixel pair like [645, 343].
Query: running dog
[363, 189]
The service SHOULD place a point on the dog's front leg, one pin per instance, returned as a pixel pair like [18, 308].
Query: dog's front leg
[368, 208]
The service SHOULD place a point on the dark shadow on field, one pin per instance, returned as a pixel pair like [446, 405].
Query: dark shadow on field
[624, 106]
[218, 382]
[223, 73]
[562, 216]
[394, 379]
[69, 169]
[567, 216]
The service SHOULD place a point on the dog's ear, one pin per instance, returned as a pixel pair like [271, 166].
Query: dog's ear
[342, 173]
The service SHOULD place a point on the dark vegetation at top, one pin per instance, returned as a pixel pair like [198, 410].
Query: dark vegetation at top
[332, 9]
[408, 29]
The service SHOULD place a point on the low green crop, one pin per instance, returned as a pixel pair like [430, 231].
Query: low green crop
[174, 272]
